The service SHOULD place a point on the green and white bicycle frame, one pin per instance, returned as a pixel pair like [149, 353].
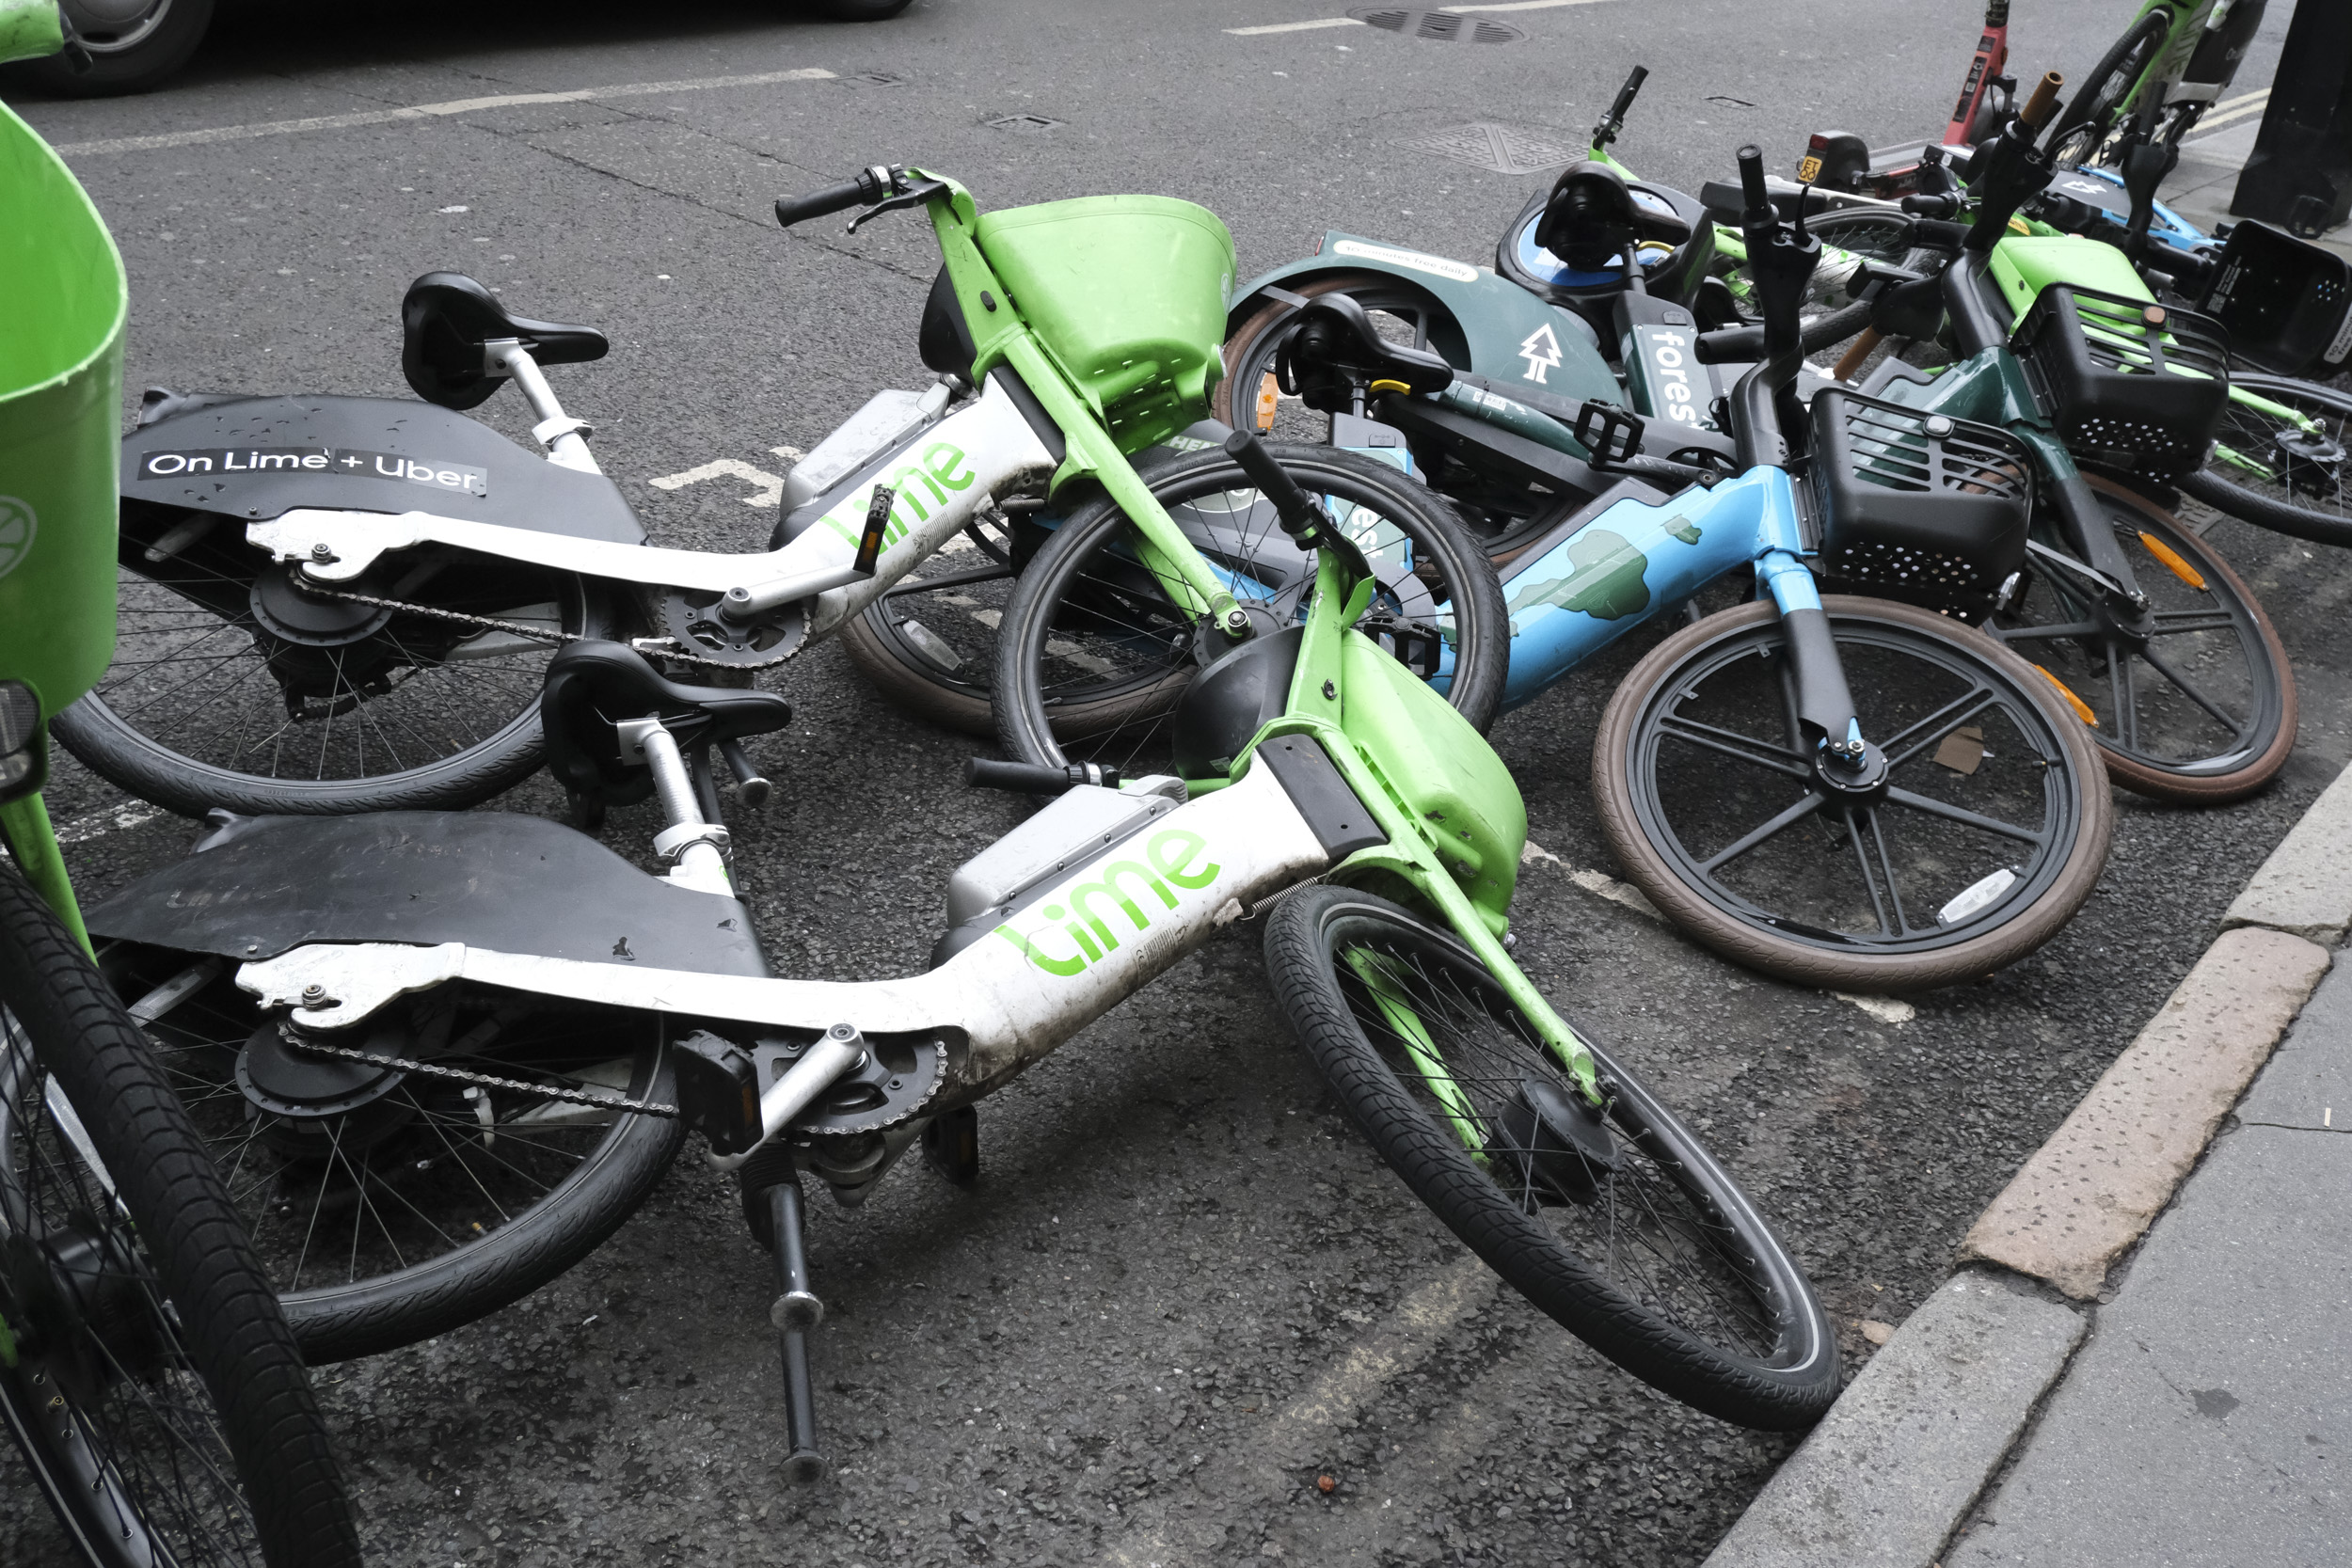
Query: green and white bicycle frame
[1448, 821]
[1032, 420]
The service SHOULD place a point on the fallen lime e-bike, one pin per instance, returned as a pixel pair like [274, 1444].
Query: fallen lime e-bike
[340, 604]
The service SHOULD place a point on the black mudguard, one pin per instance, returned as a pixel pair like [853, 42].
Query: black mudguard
[258, 457]
[491, 880]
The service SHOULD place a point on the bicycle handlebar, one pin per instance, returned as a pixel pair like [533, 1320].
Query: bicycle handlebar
[1034, 779]
[871, 184]
[1297, 509]
[1751, 183]
[1606, 132]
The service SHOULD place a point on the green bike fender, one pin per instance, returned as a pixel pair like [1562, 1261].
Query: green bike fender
[1511, 336]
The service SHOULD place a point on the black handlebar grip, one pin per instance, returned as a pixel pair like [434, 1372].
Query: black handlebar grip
[1730, 345]
[1752, 177]
[1297, 508]
[817, 204]
[1031, 778]
[1625, 93]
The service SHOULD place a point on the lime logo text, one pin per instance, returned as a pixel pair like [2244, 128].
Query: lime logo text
[1090, 914]
[940, 470]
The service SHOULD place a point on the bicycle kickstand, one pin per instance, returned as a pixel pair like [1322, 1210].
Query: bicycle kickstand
[797, 1310]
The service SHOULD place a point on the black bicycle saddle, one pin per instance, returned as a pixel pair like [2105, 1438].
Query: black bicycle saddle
[1336, 344]
[445, 319]
[590, 687]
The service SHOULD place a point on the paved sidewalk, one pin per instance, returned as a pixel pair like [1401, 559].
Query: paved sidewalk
[2207, 1419]
[2203, 183]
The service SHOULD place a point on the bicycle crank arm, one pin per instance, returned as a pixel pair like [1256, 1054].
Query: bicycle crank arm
[943, 477]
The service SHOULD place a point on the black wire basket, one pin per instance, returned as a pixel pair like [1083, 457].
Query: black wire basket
[2136, 388]
[1916, 505]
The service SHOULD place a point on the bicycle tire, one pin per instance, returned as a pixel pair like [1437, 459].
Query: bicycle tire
[2053, 752]
[1787, 1375]
[2085, 111]
[2253, 760]
[252, 1404]
[2302, 500]
[520, 1214]
[153, 768]
[898, 642]
[1249, 350]
[1035, 728]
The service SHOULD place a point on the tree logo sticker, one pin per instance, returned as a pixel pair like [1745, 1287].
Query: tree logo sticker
[16, 533]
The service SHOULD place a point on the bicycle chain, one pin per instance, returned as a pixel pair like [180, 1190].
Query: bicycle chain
[542, 634]
[431, 1070]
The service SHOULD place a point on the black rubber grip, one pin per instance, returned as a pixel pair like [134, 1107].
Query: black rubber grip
[1625, 93]
[1297, 508]
[1730, 345]
[817, 204]
[1030, 778]
[1752, 177]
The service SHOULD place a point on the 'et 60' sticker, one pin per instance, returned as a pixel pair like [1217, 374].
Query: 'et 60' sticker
[210, 462]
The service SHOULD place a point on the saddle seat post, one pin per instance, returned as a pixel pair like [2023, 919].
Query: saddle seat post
[695, 847]
[564, 436]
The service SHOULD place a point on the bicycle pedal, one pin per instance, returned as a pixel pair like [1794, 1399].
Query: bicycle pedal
[951, 1144]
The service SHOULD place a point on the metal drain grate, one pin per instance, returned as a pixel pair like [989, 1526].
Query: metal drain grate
[1437, 26]
[1033, 124]
[1504, 148]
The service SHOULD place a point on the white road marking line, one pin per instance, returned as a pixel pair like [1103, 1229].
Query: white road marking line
[1886, 1010]
[1595, 882]
[771, 486]
[1293, 26]
[1522, 5]
[2238, 108]
[98, 823]
[427, 111]
[1266, 1459]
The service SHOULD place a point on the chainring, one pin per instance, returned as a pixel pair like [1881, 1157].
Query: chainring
[893, 1085]
[691, 620]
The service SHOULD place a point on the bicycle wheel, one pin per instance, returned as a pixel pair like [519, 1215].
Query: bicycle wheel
[148, 1378]
[2196, 703]
[1991, 830]
[1629, 1236]
[2281, 471]
[2101, 97]
[230, 687]
[391, 1206]
[1093, 653]
[930, 642]
[1247, 399]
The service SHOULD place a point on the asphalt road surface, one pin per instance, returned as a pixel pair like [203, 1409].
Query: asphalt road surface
[1183, 1290]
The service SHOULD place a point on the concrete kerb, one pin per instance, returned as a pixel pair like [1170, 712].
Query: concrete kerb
[1913, 1440]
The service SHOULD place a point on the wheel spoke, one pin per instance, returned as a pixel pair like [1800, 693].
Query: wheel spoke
[2065, 632]
[1931, 730]
[1730, 743]
[2237, 729]
[1962, 814]
[1780, 820]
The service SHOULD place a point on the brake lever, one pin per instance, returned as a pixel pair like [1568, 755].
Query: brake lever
[913, 196]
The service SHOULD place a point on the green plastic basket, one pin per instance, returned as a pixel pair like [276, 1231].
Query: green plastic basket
[62, 304]
[1129, 294]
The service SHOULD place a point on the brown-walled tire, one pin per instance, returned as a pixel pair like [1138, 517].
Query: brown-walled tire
[2054, 887]
[2212, 789]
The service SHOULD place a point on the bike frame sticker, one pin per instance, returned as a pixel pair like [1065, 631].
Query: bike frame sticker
[1412, 261]
[343, 461]
[18, 524]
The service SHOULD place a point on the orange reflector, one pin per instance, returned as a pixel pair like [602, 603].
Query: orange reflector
[2171, 557]
[1266, 391]
[2082, 709]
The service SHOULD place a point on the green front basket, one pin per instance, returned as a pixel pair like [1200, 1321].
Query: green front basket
[62, 304]
[1129, 292]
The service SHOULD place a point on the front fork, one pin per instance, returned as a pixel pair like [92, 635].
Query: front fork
[25, 826]
[1823, 704]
